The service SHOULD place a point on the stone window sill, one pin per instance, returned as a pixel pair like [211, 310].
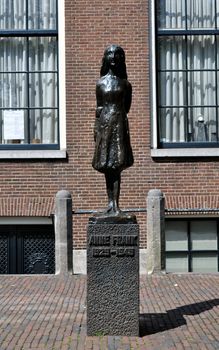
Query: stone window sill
[185, 153]
[33, 154]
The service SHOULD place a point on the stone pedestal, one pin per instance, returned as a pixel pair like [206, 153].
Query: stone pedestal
[113, 279]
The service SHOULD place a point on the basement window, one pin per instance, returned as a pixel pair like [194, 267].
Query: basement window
[192, 245]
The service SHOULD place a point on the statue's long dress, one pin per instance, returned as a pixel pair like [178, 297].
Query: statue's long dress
[113, 150]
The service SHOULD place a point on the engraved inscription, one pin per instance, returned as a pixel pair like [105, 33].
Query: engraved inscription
[116, 240]
[125, 240]
[126, 252]
[99, 240]
[101, 252]
[113, 251]
[106, 252]
[121, 245]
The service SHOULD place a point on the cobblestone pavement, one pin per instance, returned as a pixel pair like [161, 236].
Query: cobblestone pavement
[49, 312]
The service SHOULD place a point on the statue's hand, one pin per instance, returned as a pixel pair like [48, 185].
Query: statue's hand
[98, 111]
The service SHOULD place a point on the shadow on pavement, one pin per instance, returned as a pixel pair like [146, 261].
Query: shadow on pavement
[159, 322]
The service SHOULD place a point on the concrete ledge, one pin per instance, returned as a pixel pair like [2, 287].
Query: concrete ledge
[80, 261]
[143, 262]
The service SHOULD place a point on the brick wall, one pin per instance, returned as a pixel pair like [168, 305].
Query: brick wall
[90, 27]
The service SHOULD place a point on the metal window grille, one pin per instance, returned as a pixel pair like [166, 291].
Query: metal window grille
[27, 249]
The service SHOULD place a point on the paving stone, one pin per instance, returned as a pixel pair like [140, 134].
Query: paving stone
[49, 312]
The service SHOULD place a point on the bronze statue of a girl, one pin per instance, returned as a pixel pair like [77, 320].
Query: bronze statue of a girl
[113, 152]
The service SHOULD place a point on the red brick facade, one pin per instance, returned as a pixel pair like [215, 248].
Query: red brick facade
[90, 27]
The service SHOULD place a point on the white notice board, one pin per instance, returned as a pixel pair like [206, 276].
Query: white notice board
[13, 125]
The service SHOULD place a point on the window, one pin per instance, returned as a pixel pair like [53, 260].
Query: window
[29, 117]
[187, 73]
[192, 245]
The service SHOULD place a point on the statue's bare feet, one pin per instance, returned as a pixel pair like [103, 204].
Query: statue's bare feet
[112, 209]
[112, 214]
[109, 209]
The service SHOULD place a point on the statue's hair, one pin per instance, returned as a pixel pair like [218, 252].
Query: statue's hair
[121, 70]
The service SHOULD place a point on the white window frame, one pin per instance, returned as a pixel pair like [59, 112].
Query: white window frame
[61, 153]
[157, 152]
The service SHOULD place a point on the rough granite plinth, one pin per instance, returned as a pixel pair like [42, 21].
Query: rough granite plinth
[113, 279]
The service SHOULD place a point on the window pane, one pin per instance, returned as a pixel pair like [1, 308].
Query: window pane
[217, 14]
[28, 73]
[43, 126]
[171, 53]
[14, 126]
[202, 262]
[217, 43]
[202, 124]
[172, 124]
[172, 88]
[171, 14]
[202, 88]
[13, 52]
[177, 262]
[13, 90]
[201, 14]
[42, 14]
[13, 14]
[201, 52]
[43, 54]
[204, 235]
[43, 89]
[176, 235]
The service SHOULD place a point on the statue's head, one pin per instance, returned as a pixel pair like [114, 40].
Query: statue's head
[114, 58]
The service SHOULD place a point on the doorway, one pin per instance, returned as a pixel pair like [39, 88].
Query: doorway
[27, 249]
